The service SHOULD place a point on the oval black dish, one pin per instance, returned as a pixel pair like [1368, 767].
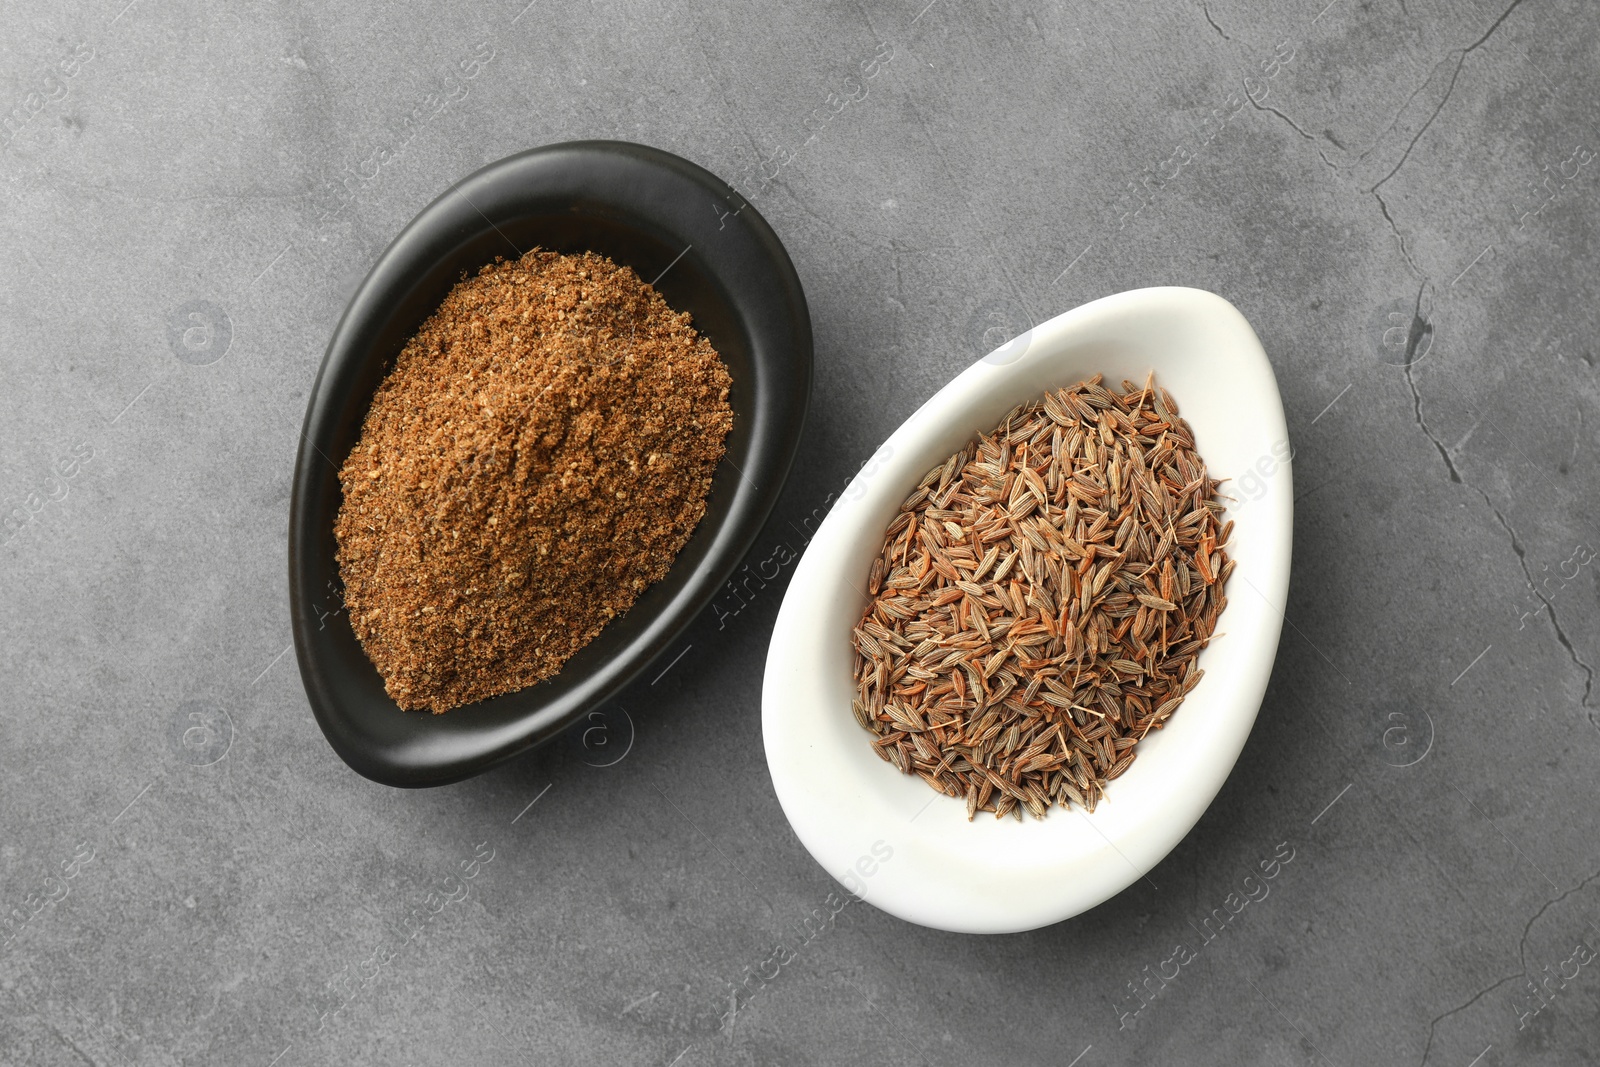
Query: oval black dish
[710, 254]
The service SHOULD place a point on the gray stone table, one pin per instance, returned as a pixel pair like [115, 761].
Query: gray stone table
[1400, 196]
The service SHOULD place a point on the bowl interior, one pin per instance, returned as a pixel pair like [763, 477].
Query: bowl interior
[634, 206]
[992, 875]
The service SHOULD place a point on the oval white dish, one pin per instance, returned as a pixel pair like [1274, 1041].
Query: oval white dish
[891, 839]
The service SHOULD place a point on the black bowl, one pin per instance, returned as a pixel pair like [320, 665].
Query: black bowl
[712, 256]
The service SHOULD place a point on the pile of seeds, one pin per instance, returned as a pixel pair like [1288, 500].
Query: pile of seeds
[1040, 601]
[535, 460]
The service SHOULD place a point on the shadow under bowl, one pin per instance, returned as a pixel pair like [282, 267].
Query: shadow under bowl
[710, 255]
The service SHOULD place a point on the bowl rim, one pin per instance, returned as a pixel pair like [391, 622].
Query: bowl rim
[850, 808]
[645, 191]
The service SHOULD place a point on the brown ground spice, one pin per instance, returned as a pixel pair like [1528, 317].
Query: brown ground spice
[537, 457]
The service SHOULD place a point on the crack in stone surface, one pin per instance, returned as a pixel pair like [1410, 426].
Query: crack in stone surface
[1449, 90]
[1434, 1024]
[1295, 126]
[1550, 609]
[1398, 236]
[1378, 140]
[1522, 958]
[1207, 12]
[1461, 61]
[1522, 945]
[1419, 329]
[1422, 424]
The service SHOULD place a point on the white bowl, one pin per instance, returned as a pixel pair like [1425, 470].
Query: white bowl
[909, 850]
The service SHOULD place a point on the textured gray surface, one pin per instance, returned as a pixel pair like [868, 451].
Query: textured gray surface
[233, 894]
